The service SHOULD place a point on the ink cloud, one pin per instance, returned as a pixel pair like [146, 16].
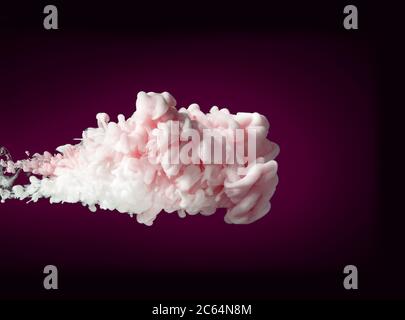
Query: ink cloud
[147, 164]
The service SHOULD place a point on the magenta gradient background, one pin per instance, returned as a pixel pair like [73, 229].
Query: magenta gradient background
[318, 93]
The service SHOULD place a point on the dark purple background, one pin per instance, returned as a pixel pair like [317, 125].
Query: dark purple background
[318, 94]
[320, 87]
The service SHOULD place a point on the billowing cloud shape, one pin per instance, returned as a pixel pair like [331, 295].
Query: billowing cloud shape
[160, 158]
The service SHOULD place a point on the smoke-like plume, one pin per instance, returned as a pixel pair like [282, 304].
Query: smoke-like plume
[128, 165]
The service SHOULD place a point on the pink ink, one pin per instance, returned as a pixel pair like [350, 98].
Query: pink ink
[129, 165]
